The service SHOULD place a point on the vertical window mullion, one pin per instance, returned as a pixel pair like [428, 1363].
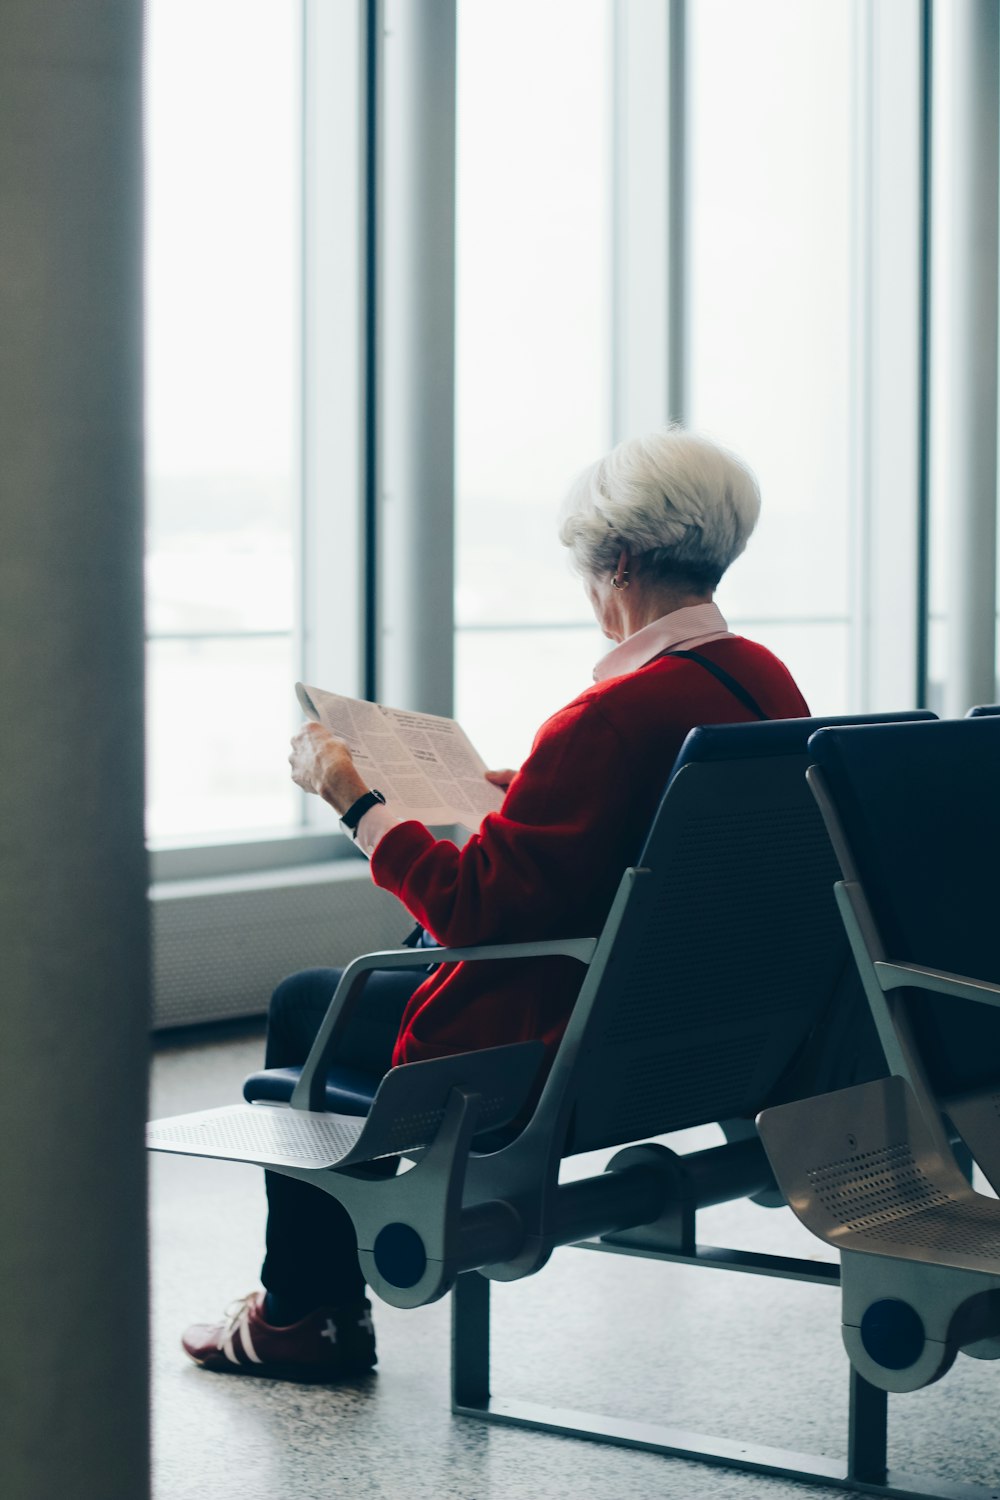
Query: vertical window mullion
[648, 217]
[964, 416]
[889, 312]
[333, 363]
[371, 197]
[416, 356]
[923, 600]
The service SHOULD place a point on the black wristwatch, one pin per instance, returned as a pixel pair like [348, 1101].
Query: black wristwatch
[352, 817]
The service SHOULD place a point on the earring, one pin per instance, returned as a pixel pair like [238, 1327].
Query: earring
[624, 583]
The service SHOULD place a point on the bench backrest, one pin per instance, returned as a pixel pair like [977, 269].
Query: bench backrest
[728, 953]
[919, 806]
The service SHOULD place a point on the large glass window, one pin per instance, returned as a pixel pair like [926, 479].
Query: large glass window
[259, 268]
[224, 166]
[533, 350]
[771, 311]
[771, 333]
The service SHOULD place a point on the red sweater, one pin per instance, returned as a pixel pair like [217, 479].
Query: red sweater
[547, 865]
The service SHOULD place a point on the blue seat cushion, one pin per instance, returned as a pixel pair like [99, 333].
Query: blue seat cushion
[349, 1091]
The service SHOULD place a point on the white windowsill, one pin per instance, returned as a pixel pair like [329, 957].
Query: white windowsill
[329, 872]
[228, 855]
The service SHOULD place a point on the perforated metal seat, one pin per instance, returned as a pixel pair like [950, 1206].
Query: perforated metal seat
[406, 1114]
[920, 1250]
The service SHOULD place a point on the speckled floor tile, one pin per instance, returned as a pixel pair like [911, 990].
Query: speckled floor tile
[746, 1357]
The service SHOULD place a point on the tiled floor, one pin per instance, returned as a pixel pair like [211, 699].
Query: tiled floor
[745, 1357]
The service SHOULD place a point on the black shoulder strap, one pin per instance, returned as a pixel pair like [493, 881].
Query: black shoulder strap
[736, 688]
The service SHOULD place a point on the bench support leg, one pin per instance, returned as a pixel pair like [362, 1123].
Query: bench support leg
[867, 1431]
[470, 1341]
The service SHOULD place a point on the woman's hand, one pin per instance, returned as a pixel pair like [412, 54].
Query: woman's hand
[502, 779]
[322, 764]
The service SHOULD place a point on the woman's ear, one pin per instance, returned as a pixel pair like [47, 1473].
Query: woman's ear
[620, 578]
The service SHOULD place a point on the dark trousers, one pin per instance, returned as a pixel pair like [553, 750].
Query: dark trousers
[312, 1251]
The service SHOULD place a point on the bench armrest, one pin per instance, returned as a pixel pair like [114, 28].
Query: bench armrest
[914, 976]
[309, 1092]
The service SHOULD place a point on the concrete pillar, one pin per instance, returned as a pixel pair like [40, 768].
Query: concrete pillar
[73, 1356]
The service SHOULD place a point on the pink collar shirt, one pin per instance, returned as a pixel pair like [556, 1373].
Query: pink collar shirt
[681, 630]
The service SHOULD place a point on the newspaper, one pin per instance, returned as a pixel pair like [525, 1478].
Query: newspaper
[425, 766]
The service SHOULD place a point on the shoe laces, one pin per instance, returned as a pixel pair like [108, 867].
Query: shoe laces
[235, 1314]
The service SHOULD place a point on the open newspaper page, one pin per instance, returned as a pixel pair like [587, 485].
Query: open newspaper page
[425, 766]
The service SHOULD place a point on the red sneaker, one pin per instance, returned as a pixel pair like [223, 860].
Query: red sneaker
[330, 1344]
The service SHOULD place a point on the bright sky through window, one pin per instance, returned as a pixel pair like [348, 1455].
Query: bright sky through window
[223, 151]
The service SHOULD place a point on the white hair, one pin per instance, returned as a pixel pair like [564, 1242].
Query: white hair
[679, 501]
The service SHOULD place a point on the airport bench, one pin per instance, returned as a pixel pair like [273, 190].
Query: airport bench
[721, 983]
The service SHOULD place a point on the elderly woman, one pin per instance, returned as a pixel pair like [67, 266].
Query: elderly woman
[651, 528]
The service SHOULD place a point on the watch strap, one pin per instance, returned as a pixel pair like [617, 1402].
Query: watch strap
[352, 817]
